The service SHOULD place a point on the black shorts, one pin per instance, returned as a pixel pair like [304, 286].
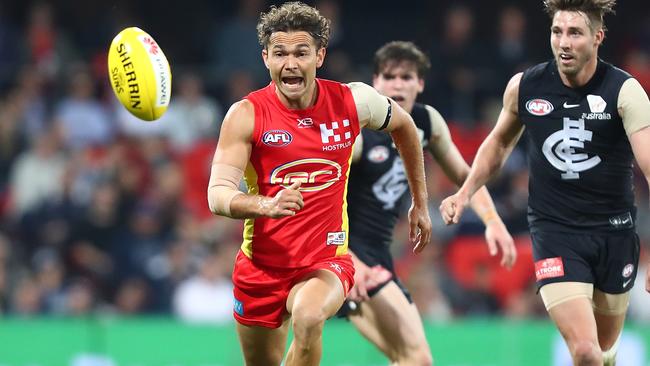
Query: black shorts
[372, 255]
[608, 261]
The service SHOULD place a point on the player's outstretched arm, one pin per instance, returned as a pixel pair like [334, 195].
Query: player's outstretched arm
[491, 155]
[446, 154]
[404, 134]
[641, 147]
[228, 165]
[634, 108]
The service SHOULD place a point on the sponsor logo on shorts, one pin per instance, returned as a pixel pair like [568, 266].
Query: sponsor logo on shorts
[238, 307]
[627, 270]
[337, 267]
[336, 238]
[549, 268]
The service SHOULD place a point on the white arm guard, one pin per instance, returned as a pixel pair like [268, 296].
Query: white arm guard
[224, 180]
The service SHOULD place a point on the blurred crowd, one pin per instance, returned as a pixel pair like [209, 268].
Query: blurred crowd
[101, 213]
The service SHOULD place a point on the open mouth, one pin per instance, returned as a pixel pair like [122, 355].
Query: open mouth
[398, 98]
[566, 58]
[292, 81]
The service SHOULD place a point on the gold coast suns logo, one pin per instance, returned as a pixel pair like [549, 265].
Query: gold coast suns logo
[316, 174]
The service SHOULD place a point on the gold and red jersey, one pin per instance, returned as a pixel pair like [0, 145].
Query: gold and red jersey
[313, 145]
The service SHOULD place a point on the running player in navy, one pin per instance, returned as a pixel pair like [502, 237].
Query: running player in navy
[378, 188]
[585, 121]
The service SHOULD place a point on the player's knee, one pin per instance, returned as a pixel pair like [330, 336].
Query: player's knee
[418, 356]
[308, 321]
[259, 358]
[587, 353]
[422, 358]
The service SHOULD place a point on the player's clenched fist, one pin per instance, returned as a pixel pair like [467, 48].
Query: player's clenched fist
[452, 208]
[285, 203]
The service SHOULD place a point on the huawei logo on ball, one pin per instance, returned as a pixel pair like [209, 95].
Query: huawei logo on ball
[153, 47]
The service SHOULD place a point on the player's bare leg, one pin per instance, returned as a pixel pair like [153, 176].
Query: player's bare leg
[394, 325]
[310, 303]
[577, 324]
[262, 346]
[609, 311]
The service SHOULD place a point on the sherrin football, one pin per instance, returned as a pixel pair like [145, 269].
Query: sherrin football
[139, 74]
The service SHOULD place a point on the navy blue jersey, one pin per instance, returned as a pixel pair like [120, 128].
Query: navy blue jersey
[579, 156]
[378, 188]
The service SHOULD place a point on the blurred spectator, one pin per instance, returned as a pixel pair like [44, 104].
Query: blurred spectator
[88, 254]
[84, 121]
[637, 62]
[12, 141]
[26, 297]
[80, 298]
[31, 104]
[49, 273]
[207, 296]
[132, 297]
[10, 56]
[47, 46]
[192, 116]
[238, 85]
[37, 175]
[458, 67]
[235, 47]
[166, 271]
[510, 52]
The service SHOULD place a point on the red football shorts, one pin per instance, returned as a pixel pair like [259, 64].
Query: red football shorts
[261, 293]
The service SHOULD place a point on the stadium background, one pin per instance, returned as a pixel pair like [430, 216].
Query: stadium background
[108, 254]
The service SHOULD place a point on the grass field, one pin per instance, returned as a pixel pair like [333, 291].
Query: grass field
[164, 342]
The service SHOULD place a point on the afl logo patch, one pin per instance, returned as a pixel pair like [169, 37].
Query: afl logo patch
[539, 107]
[627, 270]
[378, 154]
[277, 138]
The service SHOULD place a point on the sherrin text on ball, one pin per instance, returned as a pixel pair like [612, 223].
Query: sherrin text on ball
[139, 74]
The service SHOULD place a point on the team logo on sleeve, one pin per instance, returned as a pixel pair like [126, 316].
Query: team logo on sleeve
[539, 107]
[277, 138]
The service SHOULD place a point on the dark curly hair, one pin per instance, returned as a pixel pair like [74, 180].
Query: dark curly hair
[293, 16]
[398, 51]
[594, 9]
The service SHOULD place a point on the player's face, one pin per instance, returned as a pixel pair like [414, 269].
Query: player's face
[400, 81]
[573, 42]
[292, 59]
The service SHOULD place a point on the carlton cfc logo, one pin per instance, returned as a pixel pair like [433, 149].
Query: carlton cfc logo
[277, 138]
[539, 107]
